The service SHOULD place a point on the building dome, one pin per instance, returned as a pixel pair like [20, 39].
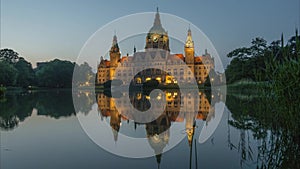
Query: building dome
[157, 37]
[157, 27]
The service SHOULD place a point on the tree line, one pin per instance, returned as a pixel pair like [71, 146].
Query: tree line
[260, 61]
[276, 66]
[15, 71]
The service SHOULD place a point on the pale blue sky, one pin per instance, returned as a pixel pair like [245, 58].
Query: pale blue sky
[42, 30]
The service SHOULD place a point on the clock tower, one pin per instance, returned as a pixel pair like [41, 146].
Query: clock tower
[157, 37]
[115, 56]
[189, 50]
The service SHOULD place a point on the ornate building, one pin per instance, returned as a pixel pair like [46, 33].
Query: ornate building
[157, 53]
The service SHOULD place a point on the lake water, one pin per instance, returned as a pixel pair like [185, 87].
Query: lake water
[43, 130]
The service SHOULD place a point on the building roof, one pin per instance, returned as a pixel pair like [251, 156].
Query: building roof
[157, 27]
[198, 59]
[105, 63]
[176, 56]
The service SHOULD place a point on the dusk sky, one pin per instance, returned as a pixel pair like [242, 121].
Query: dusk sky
[41, 30]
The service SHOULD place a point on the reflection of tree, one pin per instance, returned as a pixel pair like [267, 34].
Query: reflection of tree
[274, 124]
[83, 101]
[15, 109]
[53, 103]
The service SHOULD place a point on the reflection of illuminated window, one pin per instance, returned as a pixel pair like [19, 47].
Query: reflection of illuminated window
[139, 96]
[138, 80]
[158, 97]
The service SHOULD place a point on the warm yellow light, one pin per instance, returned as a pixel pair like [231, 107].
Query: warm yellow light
[148, 78]
[169, 79]
[156, 138]
[139, 96]
[148, 97]
[138, 80]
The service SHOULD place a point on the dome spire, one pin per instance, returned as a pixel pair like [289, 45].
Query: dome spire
[157, 37]
[157, 18]
[115, 40]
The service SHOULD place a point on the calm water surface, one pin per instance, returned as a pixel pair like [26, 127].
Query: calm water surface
[41, 130]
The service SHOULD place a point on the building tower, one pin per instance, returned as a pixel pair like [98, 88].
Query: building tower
[189, 51]
[115, 56]
[157, 37]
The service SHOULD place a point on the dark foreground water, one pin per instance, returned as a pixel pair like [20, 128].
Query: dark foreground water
[42, 130]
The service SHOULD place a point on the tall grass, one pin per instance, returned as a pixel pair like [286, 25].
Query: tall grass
[284, 78]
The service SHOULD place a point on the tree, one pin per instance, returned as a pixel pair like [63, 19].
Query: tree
[258, 47]
[25, 73]
[8, 74]
[56, 73]
[83, 74]
[241, 53]
[9, 55]
[248, 62]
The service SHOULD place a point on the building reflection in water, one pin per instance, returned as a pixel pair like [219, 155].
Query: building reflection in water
[157, 131]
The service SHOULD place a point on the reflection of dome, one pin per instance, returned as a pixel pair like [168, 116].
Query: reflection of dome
[158, 135]
[158, 143]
